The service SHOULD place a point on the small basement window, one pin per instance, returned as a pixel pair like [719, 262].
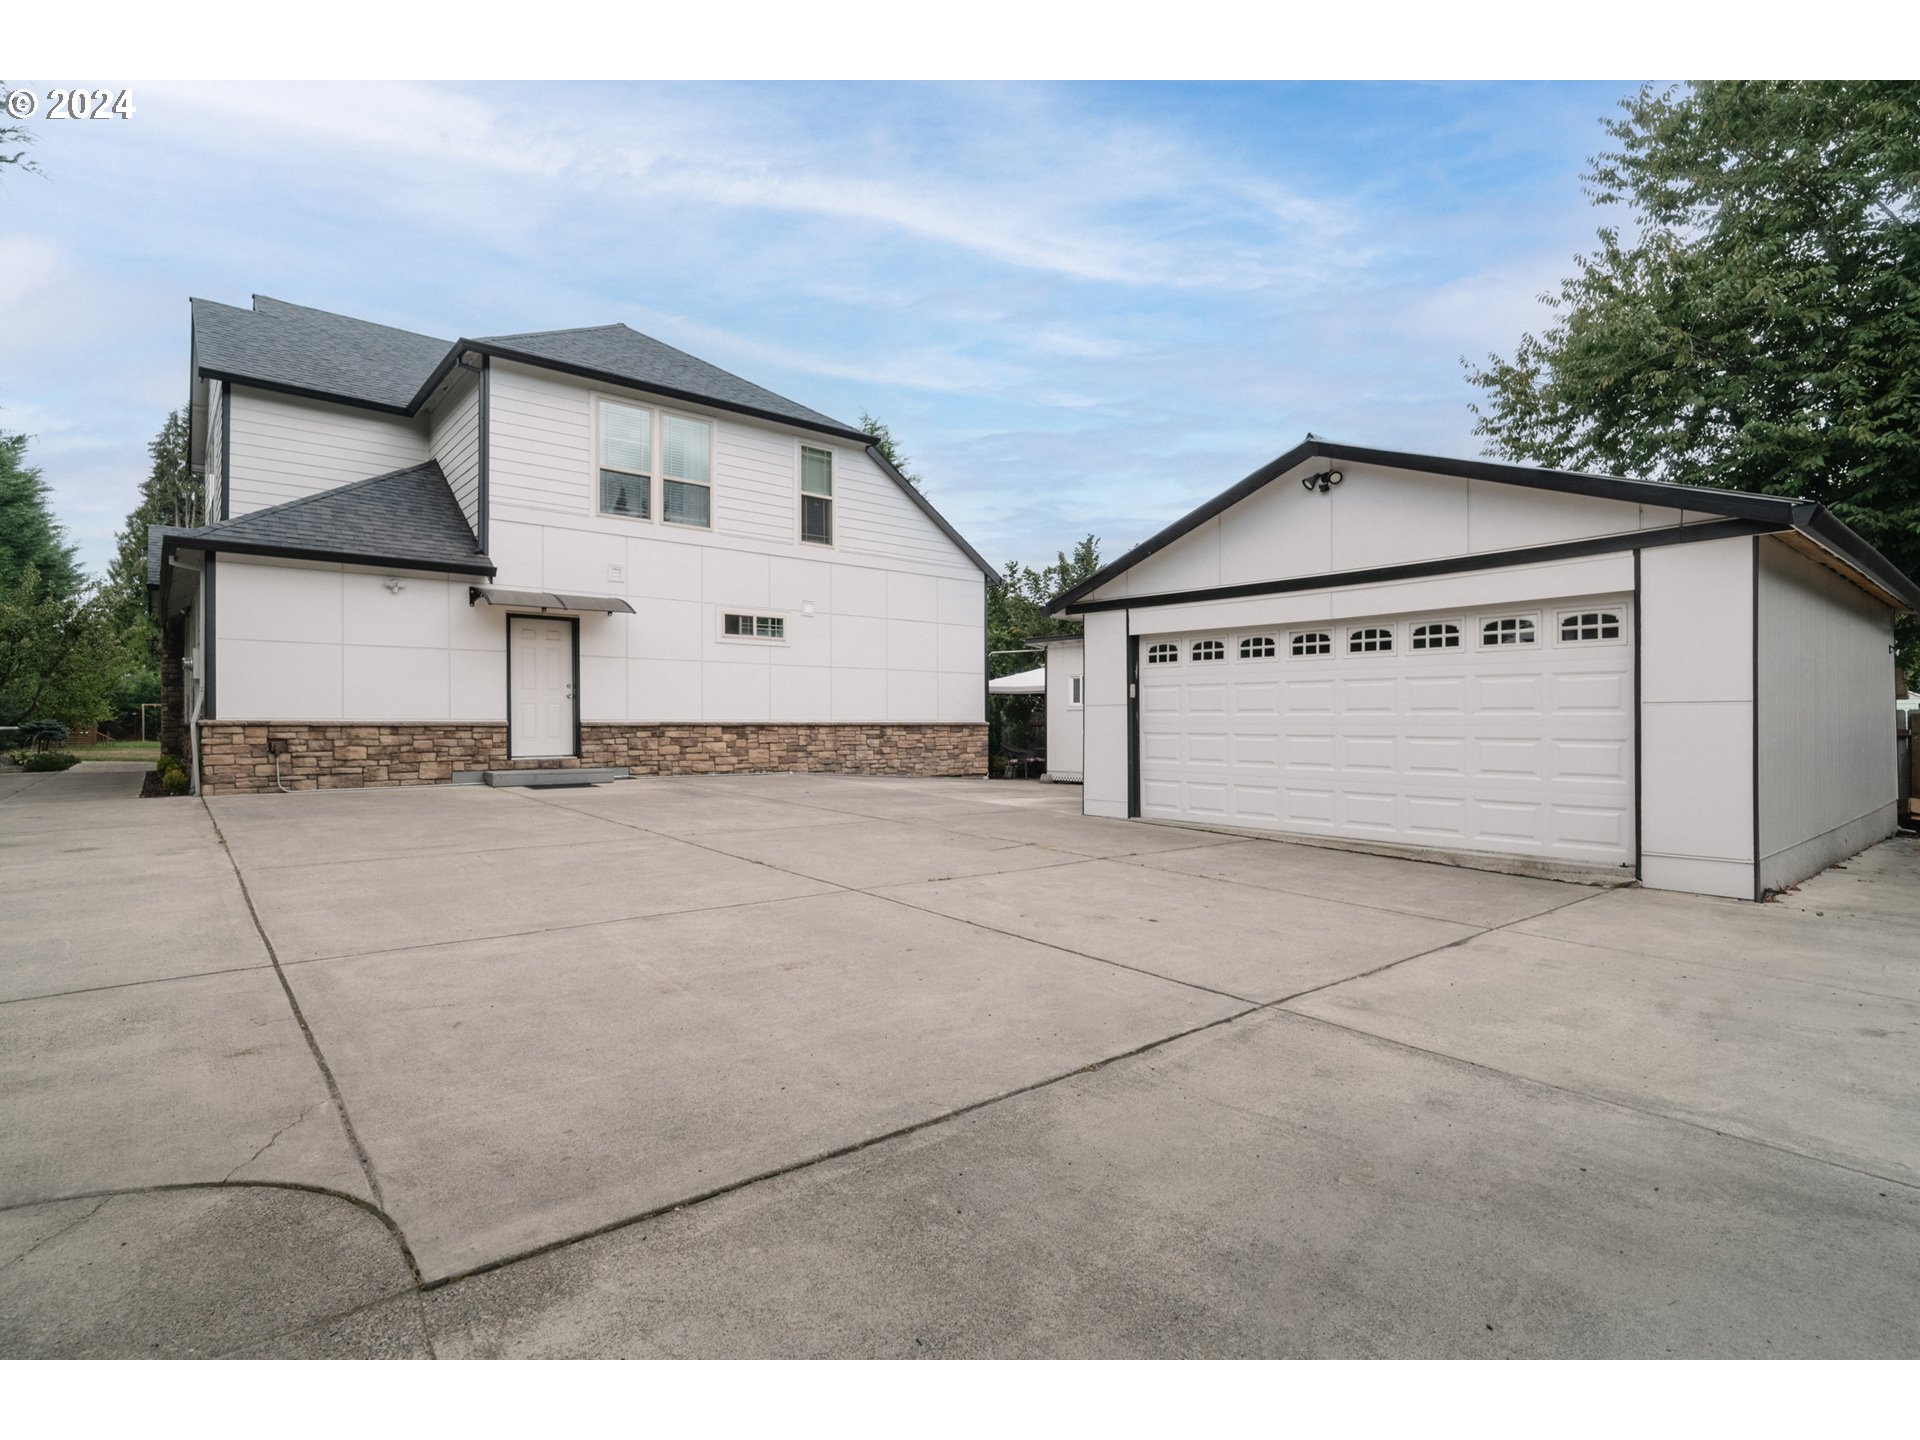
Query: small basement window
[1589, 625]
[1163, 654]
[1369, 640]
[1257, 647]
[1209, 650]
[1312, 642]
[1508, 630]
[1439, 635]
[755, 627]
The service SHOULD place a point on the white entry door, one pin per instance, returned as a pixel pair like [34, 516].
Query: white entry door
[540, 686]
[1504, 729]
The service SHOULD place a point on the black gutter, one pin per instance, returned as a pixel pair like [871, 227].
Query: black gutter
[308, 393]
[212, 545]
[1828, 530]
[1449, 565]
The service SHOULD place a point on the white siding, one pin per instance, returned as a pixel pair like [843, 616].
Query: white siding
[453, 438]
[1374, 517]
[285, 447]
[1065, 664]
[1105, 719]
[216, 445]
[889, 630]
[1828, 785]
[1696, 718]
[328, 642]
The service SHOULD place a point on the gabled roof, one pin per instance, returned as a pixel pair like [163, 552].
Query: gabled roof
[156, 543]
[1780, 512]
[314, 352]
[617, 352]
[405, 518]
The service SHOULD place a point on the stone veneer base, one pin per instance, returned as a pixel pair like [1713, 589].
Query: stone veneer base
[235, 760]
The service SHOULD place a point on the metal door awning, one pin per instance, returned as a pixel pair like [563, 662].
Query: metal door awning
[546, 600]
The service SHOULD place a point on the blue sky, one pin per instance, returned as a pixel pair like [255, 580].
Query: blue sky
[1081, 308]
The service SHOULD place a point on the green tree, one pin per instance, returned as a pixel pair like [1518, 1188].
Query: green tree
[30, 538]
[170, 495]
[60, 656]
[1761, 329]
[882, 437]
[1016, 613]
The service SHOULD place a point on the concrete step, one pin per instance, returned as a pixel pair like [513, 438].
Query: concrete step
[539, 778]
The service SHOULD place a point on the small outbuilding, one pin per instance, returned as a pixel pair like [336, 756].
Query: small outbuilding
[1691, 685]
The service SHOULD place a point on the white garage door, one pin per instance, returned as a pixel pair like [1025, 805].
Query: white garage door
[1503, 730]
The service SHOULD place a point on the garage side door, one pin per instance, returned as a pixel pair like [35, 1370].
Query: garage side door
[1498, 730]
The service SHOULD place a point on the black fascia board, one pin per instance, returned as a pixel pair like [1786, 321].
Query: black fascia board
[1738, 504]
[306, 392]
[1829, 531]
[1449, 565]
[476, 565]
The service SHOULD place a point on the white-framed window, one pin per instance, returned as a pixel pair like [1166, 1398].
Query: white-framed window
[1310, 642]
[1077, 690]
[816, 495]
[736, 625]
[1209, 650]
[1370, 640]
[626, 461]
[686, 471]
[1257, 647]
[1507, 630]
[1586, 627]
[1163, 654]
[1434, 635]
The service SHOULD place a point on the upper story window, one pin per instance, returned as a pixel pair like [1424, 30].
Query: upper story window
[1257, 647]
[1163, 654]
[816, 495]
[626, 461]
[686, 471]
[1312, 642]
[754, 627]
[1507, 630]
[1209, 650]
[1438, 635]
[1579, 625]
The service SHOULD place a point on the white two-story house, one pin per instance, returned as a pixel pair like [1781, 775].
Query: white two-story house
[576, 548]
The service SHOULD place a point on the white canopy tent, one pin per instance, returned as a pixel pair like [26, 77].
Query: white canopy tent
[1027, 682]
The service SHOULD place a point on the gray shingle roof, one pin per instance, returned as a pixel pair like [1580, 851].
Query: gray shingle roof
[303, 349]
[405, 517]
[623, 353]
[157, 537]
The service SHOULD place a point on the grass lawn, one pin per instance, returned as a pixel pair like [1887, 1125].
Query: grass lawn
[120, 750]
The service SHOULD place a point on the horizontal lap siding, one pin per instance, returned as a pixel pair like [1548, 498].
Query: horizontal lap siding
[285, 448]
[755, 483]
[454, 440]
[540, 441]
[873, 517]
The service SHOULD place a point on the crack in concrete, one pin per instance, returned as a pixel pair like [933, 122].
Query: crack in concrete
[270, 1141]
[67, 1229]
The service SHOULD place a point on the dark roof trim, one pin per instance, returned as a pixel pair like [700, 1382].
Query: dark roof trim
[1449, 565]
[608, 377]
[888, 468]
[478, 565]
[1774, 511]
[304, 393]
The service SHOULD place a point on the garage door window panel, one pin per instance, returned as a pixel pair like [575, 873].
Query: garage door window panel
[1258, 647]
[1205, 651]
[1308, 643]
[1163, 654]
[1496, 631]
[1435, 635]
[1370, 640]
[1591, 627]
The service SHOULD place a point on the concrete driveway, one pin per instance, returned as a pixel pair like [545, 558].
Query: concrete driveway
[809, 1065]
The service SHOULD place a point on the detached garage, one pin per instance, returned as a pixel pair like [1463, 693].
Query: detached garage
[1362, 645]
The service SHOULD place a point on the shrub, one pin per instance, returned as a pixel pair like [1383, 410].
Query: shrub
[174, 782]
[49, 760]
[171, 762]
[42, 733]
